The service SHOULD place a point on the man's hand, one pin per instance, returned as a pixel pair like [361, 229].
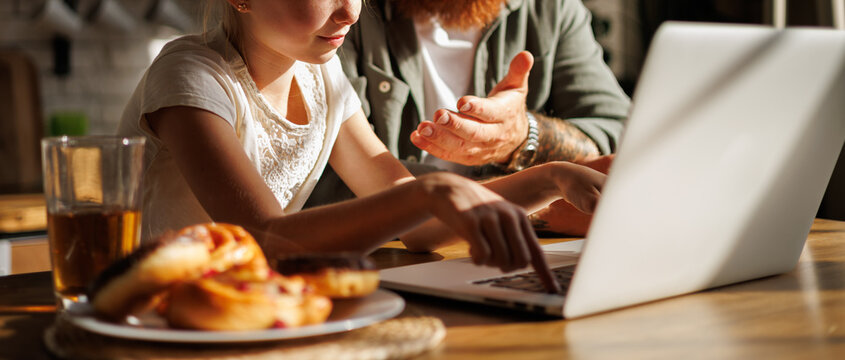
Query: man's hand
[486, 130]
[561, 217]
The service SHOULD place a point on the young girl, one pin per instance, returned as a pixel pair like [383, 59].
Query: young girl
[242, 120]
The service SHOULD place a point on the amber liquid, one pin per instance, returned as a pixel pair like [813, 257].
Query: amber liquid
[83, 243]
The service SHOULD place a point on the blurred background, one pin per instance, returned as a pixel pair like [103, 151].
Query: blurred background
[69, 66]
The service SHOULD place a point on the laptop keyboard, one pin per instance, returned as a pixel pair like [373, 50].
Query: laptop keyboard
[530, 281]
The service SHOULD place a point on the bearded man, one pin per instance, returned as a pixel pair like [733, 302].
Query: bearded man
[484, 87]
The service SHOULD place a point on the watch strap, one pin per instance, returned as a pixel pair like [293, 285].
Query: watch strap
[523, 157]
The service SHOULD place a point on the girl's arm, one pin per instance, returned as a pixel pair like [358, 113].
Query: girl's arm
[212, 161]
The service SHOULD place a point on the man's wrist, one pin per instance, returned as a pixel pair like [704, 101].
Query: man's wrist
[524, 155]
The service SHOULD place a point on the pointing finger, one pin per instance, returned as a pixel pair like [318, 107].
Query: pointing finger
[538, 260]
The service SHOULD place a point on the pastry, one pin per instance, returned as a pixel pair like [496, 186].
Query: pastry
[340, 275]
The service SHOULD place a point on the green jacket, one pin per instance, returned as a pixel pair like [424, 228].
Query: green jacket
[569, 79]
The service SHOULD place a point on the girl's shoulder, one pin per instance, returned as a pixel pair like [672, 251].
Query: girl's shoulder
[196, 52]
[188, 45]
[190, 72]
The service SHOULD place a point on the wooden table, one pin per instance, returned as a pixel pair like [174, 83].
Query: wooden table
[22, 212]
[798, 315]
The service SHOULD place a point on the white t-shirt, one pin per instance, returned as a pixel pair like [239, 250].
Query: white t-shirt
[448, 56]
[212, 76]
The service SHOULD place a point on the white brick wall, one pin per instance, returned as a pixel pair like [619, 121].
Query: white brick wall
[106, 65]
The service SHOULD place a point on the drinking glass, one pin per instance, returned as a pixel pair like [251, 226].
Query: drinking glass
[92, 185]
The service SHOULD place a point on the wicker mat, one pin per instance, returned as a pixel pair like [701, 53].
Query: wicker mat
[402, 337]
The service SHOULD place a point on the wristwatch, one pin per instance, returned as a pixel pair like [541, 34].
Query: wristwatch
[524, 156]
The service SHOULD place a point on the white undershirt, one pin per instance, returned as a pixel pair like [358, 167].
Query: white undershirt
[447, 73]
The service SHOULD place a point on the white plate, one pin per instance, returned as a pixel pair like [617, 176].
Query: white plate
[346, 315]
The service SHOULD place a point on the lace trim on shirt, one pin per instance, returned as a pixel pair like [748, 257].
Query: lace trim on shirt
[288, 152]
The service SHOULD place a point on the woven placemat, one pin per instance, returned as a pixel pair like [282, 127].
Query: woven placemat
[402, 337]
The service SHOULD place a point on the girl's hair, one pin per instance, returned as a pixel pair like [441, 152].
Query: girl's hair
[219, 13]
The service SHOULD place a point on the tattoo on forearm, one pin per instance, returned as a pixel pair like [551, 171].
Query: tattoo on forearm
[560, 140]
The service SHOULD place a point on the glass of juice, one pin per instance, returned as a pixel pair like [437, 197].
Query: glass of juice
[93, 188]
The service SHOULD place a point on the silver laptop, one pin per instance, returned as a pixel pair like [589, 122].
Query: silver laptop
[731, 141]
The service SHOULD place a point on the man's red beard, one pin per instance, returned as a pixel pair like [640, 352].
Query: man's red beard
[459, 14]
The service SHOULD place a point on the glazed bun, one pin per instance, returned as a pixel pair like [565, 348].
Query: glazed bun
[341, 275]
[215, 277]
[133, 283]
[136, 282]
[229, 245]
[239, 300]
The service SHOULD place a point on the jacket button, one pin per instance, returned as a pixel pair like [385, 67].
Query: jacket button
[384, 87]
[412, 159]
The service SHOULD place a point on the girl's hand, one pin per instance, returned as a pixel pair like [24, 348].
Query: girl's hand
[563, 218]
[577, 184]
[498, 231]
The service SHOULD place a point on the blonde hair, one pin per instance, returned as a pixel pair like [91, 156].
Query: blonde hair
[219, 13]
